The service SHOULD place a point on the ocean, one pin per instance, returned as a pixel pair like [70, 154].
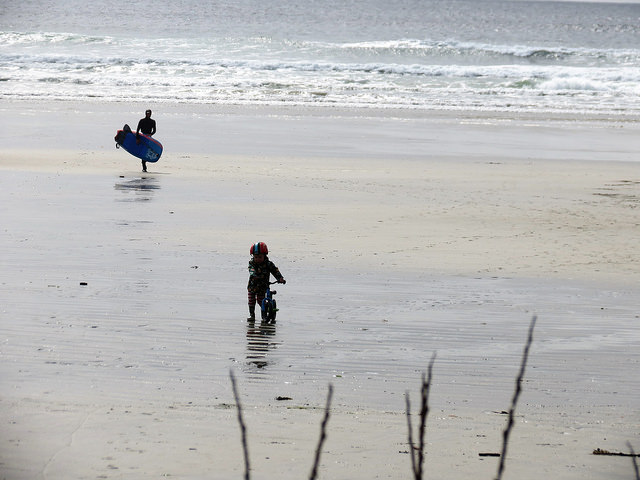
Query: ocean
[469, 55]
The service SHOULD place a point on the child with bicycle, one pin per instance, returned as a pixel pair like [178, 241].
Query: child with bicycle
[260, 270]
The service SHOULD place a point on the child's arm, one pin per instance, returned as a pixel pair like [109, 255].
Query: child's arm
[276, 273]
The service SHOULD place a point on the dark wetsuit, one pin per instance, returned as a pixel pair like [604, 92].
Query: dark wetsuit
[146, 125]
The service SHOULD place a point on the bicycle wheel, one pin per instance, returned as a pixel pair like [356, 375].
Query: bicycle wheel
[273, 312]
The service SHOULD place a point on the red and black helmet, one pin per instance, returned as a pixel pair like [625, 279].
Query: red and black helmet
[258, 248]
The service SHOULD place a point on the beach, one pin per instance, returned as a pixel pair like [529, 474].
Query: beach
[401, 234]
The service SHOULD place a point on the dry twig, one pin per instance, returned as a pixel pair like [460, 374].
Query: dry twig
[323, 434]
[600, 451]
[633, 459]
[243, 429]
[514, 401]
[417, 458]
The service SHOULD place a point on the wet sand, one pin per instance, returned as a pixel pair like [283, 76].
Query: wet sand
[400, 235]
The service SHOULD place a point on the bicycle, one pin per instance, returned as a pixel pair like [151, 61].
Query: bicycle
[268, 306]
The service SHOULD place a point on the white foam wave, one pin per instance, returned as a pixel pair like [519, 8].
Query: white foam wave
[575, 84]
[197, 68]
[51, 38]
[395, 73]
[263, 46]
[483, 50]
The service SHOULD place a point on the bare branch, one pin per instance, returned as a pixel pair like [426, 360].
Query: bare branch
[417, 458]
[633, 459]
[414, 470]
[424, 412]
[514, 401]
[323, 435]
[243, 429]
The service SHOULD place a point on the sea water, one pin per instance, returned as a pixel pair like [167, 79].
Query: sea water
[472, 55]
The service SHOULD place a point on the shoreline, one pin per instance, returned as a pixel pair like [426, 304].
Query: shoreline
[319, 110]
[322, 132]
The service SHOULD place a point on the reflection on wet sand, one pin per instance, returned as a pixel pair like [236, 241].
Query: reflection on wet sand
[142, 188]
[260, 339]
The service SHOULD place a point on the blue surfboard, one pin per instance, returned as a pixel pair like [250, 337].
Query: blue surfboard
[142, 146]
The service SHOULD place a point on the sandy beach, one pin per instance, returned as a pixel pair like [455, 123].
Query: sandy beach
[400, 234]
